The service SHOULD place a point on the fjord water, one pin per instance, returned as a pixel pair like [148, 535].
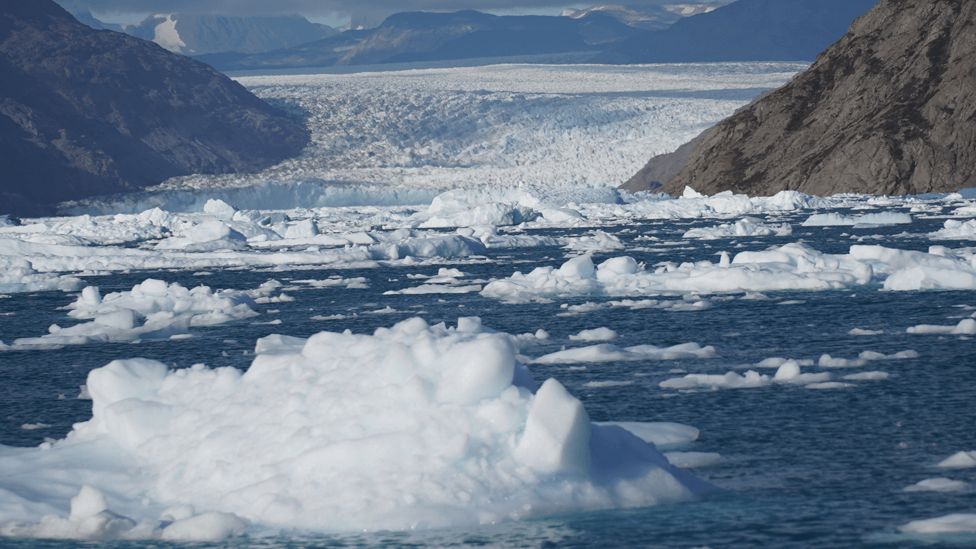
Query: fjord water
[799, 467]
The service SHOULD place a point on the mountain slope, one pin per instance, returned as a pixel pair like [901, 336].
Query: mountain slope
[746, 30]
[889, 109]
[197, 34]
[86, 112]
[429, 36]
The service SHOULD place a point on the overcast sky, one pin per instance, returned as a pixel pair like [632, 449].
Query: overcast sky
[333, 11]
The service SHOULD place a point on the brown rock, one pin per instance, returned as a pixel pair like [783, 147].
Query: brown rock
[888, 109]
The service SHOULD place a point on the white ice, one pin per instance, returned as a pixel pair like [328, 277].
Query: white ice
[414, 426]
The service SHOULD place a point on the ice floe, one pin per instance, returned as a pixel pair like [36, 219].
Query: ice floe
[745, 227]
[606, 352]
[956, 523]
[414, 426]
[870, 219]
[152, 309]
[939, 484]
[959, 460]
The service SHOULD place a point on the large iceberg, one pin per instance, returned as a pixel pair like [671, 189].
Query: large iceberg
[414, 426]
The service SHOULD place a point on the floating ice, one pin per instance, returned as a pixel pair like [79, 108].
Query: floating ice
[599, 241]
[606, 352]
[959, 460]
[939, 484]
[745, 227]
[151, 309]
[836, 219]
[595, 334]
[966, 326]
[953, 229]
[789, 267]
[415, 426]
[957, 523]
[18, 275]
[789, 372]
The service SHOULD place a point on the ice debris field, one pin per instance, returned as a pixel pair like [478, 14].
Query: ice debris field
[496, 346]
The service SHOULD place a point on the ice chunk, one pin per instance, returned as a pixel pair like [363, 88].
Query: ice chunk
[611, 353]
[966, 326]
[595, 334]
[413, 426]
[939, 484]
[957, 523]
[959, 460]
[745, 227]
[557, 432]
[836, 219]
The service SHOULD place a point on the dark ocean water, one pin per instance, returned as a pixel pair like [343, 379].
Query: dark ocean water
[799, 468]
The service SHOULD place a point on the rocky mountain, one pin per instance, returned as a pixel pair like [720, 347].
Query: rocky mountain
[86, 112]
[746, 30]
[198, 33]
[888, 109]
[432, 36]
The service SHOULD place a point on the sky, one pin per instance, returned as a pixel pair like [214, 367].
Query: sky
[336, 12]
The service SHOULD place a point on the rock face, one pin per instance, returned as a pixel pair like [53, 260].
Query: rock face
[86, 112]
[889, 109]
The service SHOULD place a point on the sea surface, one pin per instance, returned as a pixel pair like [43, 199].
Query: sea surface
[799, 467]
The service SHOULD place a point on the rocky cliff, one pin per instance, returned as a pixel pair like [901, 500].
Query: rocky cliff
[86, 112]
[888, 109]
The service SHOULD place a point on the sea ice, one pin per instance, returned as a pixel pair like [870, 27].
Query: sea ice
[959, 460]
[151, 309]
[939, 484]
[745, 227]
[871, 219]
[957, 523]
[414, 426]
[606, 352]
[595, 334]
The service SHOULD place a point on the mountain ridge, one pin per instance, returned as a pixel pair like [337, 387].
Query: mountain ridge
[888, 109]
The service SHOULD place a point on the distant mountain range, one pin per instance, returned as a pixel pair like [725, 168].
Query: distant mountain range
[86, 112]
[653, 17]
[709, 31]
[197, 34]
[746, 30]
[888, 109]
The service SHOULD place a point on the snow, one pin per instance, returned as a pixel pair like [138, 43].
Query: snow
[745, 227]
[871, 219]
[401, 429]
[959, 460]
[957, 523]
[595, 334]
